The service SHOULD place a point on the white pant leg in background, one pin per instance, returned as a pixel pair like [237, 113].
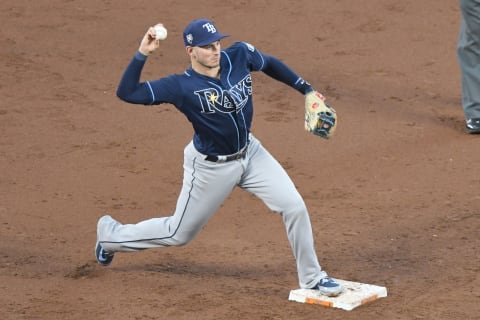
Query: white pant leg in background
[468, 51]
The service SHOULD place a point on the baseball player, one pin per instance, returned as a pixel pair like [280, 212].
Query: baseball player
[215, 95]
[468, 51]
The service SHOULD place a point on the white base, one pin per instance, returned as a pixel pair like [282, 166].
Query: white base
[354, 294]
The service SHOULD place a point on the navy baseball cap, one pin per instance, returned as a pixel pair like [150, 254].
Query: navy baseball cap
[201, 32]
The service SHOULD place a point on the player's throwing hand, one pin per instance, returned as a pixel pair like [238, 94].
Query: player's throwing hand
[149, 43]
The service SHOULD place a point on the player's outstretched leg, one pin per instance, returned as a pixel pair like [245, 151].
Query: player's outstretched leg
[205, 187]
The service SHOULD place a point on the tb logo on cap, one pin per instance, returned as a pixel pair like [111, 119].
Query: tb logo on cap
[210, 27]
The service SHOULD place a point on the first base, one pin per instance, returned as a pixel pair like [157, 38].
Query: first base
[354, 294]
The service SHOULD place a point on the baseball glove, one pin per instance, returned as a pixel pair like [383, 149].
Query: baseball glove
[320, 118]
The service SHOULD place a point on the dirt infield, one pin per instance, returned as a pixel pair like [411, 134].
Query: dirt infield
[394, 197]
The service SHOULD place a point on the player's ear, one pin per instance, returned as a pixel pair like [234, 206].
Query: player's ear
[189, 50]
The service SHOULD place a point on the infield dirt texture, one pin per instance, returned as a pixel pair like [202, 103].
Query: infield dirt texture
[394, 197]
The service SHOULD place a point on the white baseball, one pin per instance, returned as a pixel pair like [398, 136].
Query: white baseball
[160, 32]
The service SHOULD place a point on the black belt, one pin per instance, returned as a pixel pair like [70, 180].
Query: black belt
[236, 156]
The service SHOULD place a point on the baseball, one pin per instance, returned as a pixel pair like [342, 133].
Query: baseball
[160, 32]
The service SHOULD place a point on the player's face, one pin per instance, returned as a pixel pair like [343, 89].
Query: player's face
[207, 56]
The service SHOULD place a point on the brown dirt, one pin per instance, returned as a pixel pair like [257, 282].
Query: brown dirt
[393, 197]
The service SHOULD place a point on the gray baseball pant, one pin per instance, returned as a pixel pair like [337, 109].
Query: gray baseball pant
[468, 51]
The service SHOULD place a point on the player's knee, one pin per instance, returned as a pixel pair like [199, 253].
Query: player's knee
[296, 207]
[181, 239]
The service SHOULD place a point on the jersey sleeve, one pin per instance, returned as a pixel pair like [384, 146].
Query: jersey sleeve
[165, 90]
[276, 69]
[255, 58]
[130, 89]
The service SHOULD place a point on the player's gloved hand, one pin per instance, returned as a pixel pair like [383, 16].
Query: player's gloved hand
[149, 44]
[320, 118]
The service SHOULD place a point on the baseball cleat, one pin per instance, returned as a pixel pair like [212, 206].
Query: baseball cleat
[328, 287]
[473, 125]
[103, 257]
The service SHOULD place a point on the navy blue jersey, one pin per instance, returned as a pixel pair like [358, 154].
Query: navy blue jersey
[220, 109]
